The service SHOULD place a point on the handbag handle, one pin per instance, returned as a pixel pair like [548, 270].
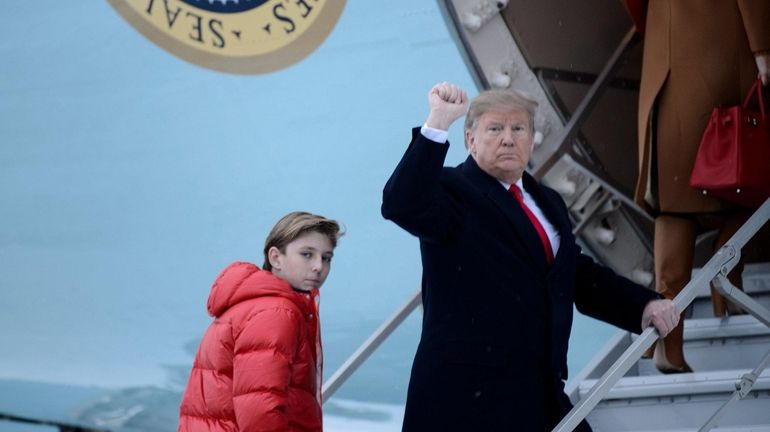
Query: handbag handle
[756, 88]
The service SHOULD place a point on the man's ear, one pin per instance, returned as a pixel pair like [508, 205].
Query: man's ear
[470, 144]
[274, 256]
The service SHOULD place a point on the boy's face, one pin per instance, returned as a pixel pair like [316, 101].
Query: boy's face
[306, 263]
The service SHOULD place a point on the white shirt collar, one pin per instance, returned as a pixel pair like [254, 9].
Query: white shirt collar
[507, 186]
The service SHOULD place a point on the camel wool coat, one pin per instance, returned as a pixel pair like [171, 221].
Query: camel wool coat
[698, 54]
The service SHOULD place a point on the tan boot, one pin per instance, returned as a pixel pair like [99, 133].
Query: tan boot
[649, 352]
[669, 352]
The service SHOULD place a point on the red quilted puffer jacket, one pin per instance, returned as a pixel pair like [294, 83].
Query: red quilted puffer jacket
[258, 367]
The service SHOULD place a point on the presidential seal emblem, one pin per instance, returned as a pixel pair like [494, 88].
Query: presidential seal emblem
[236, 36]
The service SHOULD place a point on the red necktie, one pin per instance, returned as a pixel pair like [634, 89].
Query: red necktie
[535, 223]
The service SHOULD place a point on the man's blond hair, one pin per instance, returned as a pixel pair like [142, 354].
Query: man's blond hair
[500, 100]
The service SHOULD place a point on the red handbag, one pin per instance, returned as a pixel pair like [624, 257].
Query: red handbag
[733, 160]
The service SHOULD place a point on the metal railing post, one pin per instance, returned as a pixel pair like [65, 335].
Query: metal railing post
[727, 289]
[370, 345]
[63, 427]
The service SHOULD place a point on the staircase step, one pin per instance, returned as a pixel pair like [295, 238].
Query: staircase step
[733, 428]
[712, 344]
[683, 401]
[665, 386]
[748, 428]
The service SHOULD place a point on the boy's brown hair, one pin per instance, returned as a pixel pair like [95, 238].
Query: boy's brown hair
[293, 225]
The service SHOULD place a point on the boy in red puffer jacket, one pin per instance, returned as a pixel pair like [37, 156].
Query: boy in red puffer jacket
[258, 367]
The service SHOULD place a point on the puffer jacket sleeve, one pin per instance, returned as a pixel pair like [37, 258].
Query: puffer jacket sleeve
[264, 350]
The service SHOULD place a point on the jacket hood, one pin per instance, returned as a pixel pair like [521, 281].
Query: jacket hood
[242, 281]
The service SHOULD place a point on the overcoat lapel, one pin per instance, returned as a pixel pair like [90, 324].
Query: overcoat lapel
[492, 189]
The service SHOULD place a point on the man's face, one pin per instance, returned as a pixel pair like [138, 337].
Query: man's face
[306, 263]
[501, 143]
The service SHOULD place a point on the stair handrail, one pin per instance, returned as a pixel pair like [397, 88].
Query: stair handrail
[63, 427]
[370, 345]
[718, 267]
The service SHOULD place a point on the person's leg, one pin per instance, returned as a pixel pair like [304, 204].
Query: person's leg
[732, 222]
[674, 246]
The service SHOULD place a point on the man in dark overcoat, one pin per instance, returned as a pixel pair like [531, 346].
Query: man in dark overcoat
[501, 273]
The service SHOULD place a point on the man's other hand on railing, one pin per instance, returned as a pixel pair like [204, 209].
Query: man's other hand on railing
[662, 314]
